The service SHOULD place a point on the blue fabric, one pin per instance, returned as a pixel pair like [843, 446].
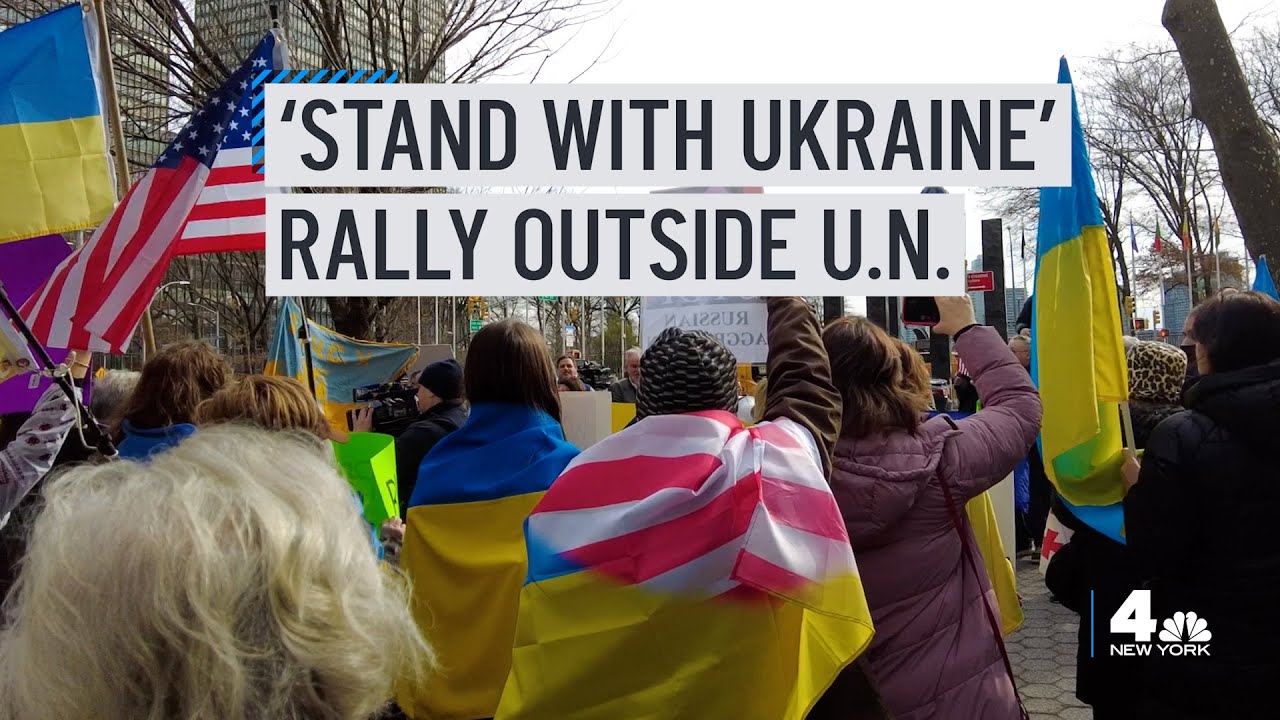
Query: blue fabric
[501, 451]
[142, 443]
[1022, 487]
[45, 72]
[1064, 210]
[1263, 282]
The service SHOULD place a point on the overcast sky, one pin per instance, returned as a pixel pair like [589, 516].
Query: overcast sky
[842, 41]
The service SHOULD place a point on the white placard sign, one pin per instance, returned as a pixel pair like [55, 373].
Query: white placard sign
[739, 323]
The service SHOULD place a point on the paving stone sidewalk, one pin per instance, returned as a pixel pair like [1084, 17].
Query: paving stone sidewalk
[1043, 652]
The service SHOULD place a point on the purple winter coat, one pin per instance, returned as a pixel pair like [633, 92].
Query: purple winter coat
[934, 654]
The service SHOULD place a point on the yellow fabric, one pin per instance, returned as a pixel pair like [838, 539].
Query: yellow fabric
[467, 562]
[53, 177]
[588, 649]
[986, 531]
[1081, 370]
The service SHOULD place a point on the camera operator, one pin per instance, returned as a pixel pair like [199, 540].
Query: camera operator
[440, 412]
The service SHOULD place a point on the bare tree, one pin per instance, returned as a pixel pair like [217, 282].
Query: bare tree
[1260, 59]
[1141, 118]
[1220, 97]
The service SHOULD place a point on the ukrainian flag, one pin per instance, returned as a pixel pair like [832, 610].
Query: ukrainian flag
[1077, 356]
[54, 176]
[339, 364]
[464, 550]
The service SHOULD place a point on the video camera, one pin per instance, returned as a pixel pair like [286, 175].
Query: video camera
[395, 405]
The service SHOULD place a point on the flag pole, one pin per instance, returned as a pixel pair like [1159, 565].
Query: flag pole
[117, 142]
[304, 337]
[1217, 250]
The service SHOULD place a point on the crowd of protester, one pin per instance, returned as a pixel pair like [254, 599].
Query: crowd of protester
[220, 567]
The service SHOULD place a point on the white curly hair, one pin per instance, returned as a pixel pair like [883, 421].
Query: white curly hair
[230, 578]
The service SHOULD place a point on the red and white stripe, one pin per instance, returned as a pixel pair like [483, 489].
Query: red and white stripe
[96, 296]
[231, 213]
[697, 504]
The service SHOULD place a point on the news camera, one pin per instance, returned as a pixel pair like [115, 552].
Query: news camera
[596, 375]
[395, 405]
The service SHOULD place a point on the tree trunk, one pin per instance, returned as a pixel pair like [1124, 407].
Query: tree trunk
[1247, 152]
[352, 316]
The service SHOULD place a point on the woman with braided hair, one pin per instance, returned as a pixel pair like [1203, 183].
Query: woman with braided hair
[692, 497]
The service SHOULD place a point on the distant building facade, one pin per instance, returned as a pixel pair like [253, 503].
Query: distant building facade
[1175, 306]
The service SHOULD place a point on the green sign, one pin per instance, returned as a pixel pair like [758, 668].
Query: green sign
[548, 298]
[476, 325]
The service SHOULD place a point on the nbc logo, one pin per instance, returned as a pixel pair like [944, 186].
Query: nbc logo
[1186, 628]
[1184, 634]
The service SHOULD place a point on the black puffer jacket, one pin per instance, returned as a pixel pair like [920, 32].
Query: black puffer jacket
[1201, 526]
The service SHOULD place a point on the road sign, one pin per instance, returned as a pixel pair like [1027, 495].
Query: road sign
[548, 298]
[476, 325]
[981, 281]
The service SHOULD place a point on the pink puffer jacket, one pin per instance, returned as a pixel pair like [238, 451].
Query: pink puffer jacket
[934, 654]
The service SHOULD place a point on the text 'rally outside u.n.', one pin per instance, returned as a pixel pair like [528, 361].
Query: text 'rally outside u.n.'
[662, 244]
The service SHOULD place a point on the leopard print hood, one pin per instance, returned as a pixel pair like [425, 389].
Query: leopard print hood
[1156, 372]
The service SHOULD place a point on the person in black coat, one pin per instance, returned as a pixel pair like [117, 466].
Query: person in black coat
[441, 411]
[1094, 563]
[1200, 518]
[1024, 318]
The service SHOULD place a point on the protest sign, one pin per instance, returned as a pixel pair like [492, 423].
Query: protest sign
[587, 417]
[368, 460]
[739, 323]
[622, 414]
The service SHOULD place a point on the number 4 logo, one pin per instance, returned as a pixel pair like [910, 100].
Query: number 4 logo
[1134, 617]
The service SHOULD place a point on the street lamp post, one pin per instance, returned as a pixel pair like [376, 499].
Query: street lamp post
[147, 318]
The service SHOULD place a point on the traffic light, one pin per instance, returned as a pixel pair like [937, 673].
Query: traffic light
[1129, 305]
[1139, 323]
[1164, 333]
[1155, 317]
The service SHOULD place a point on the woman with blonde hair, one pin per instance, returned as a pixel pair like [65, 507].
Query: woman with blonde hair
[902, 481]
[207, 584]
[276, 403]
[268, 401]
[160, 411]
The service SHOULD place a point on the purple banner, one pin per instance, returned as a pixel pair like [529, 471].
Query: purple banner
[24, 266]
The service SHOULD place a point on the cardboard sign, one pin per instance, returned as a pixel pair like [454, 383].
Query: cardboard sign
[587, 417]
[739, 323]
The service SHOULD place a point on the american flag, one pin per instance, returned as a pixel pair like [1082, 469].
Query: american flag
[698, 505]
[201, 195]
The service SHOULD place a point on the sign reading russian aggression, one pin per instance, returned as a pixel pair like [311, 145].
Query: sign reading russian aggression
[739, 323]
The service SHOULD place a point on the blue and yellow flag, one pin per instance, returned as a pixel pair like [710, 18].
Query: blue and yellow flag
[340, 364]
[1077, 356]
[464, 550]
[54, 176]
